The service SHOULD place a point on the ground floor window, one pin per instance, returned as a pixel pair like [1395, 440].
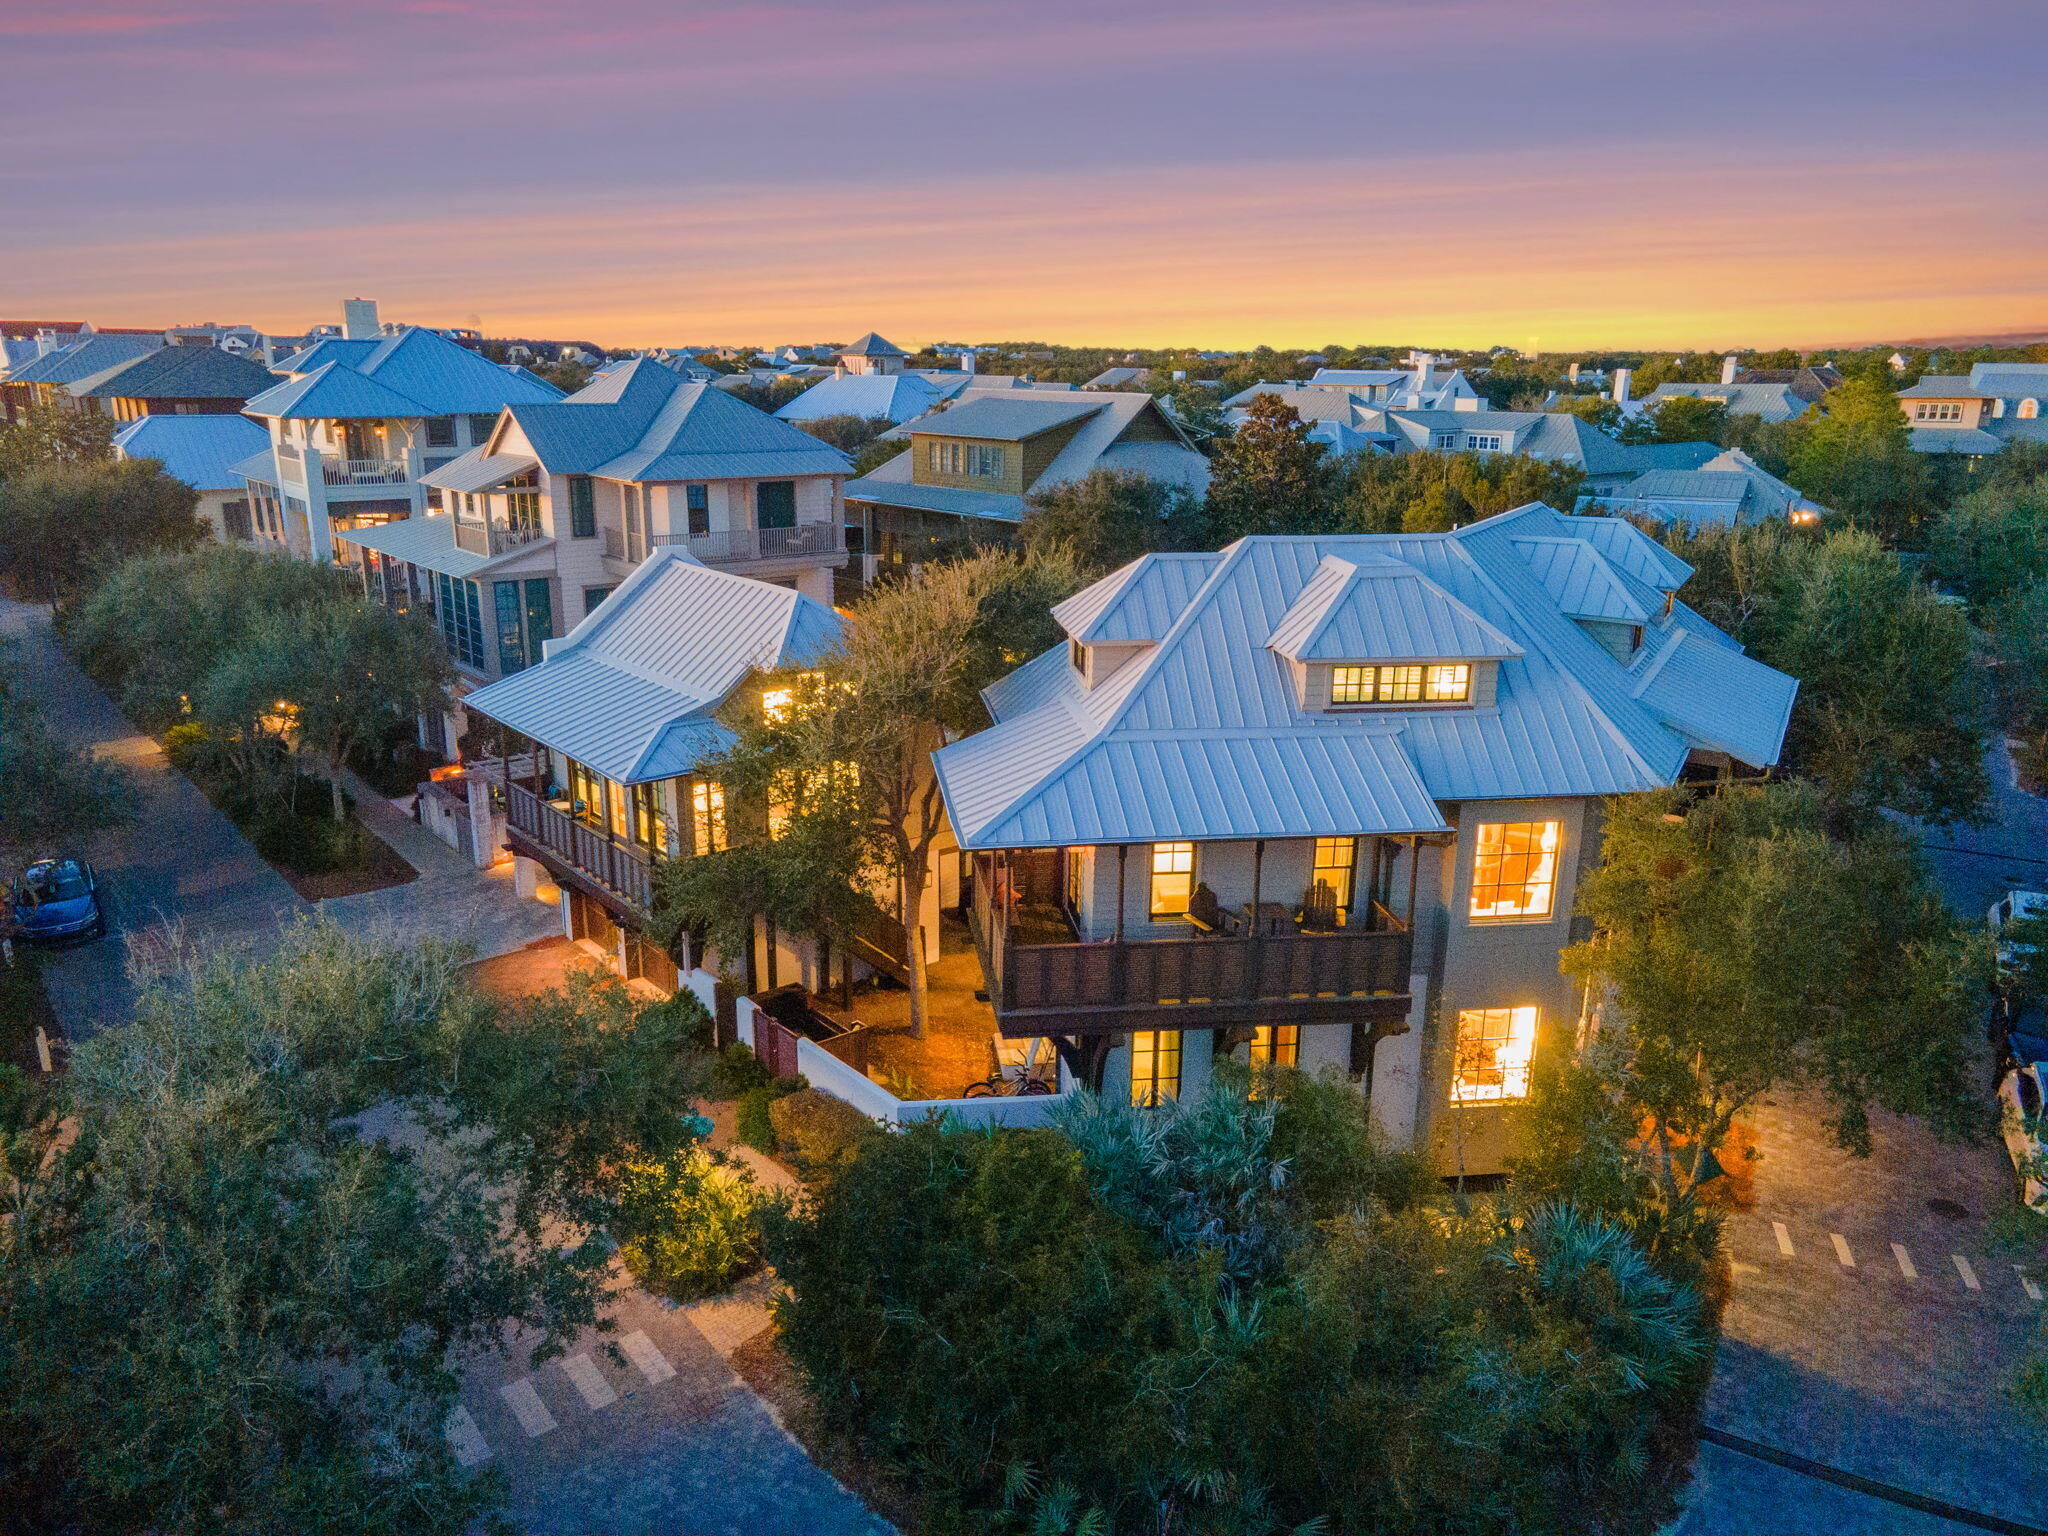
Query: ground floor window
[1276, 1045]
[1495, 1047]
[1155, 1066]
[460, 617]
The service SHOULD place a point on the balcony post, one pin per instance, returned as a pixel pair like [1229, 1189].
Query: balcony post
[1414, 864]
[1254, 974]
[1123, 851]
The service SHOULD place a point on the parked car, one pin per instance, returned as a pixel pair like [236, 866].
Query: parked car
[2014, 903]
[58, 899]
[2020, 1096]
[2019, 1029]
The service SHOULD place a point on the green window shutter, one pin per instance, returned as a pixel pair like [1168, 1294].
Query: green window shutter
[582, 508]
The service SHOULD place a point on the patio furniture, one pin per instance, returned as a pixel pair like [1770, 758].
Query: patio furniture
[1319, 909]
[1269, 917]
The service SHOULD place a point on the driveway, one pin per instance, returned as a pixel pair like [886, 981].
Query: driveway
[1876, 1327]
[179, 862]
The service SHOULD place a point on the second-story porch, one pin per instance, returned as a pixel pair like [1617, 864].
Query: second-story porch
[1273, 954]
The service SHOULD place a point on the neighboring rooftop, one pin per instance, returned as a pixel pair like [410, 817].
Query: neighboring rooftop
[177, 373]
[633, 691]
[416, 373]
[202, 451]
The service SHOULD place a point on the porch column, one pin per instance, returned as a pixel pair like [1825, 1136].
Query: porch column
[1123, 851]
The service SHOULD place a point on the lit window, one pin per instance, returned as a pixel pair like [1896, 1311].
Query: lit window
[1495, 1046]
[1938, 410]
[1449, 684]
[2029, 409]
[707, 816]
[1276, 1045]
[776, 703]
[1400, 685]
[1155, 1066]
[1336, 858]
[1515, 872]
[1173, 878]
[1351, 685]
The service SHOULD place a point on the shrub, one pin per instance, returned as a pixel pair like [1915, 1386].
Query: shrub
[820, 1134]
[689, 1223]
[755, 1125]
[736, 1070]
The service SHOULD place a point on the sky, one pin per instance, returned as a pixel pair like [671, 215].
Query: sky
[1569, 174]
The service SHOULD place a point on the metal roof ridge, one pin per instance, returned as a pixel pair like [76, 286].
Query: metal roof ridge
[1570, 676]
[1664, 653]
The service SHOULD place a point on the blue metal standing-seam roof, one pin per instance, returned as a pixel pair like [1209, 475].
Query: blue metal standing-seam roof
[427, 541]
[1202, 736]
[1720, 698]
[335, 392]
[1582, 582]
[1374, 609]
[898, 396]
[477, 470]
[206, 452]
[633, 690]
[450, 379]
[1139, 602]
[82, 359]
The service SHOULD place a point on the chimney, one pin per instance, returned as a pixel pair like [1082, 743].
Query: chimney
[1621, 379]
[968, 360]
[1425, 368]
[359, 320]
[1728, 366]
[48, 342]
[1572, 373]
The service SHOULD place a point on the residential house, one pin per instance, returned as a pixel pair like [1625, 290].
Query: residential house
[1120, 378]
[970, 467]
[1978, 412]
[1555, 436]
[188, 379]
[561, 500]
[616, 722]
[1810, 383]
[360, 419]
[1417, 387]
[1729, 488]
[871, 382]
[1326, 801]
[63, 360]
[1771, 402]
[203, 451]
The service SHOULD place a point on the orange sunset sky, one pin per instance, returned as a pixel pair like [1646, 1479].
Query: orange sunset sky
[641, 173]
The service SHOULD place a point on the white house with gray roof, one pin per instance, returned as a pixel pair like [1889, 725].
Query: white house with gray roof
[970, 468]
[1770, 402]
[1729, 488]
[611, 731]
[1326, 801]
[358, 423]
[1979, 412]
[562, 499]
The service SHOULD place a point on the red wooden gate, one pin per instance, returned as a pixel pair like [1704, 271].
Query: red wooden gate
[775, 1045]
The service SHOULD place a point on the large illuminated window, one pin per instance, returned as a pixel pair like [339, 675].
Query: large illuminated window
[1495, 1047]
[1173, 878]
[1515, 871]
[1336, 859]
[707, 816]
[1440, 683]
[776, 704]
[1450, 683]
[1276, 1045]
[1155, 1066]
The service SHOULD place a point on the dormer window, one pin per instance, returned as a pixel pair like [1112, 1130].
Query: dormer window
[1484, 442]
[1406, 683]
[979, 461]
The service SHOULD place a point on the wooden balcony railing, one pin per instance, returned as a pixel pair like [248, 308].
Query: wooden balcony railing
[363, 471]
[491, 538]
[618, 867]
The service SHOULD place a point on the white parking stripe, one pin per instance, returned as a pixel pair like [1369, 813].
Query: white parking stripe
[1842, 1253]
[465, 1439]
[1905, 1261]
[2032, 1289]
[1784, 1238]
[527, 1408]
[641, 1350]
[590, 1382]
[1969, 1275]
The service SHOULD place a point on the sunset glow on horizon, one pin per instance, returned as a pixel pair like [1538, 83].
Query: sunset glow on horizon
[1577, 175]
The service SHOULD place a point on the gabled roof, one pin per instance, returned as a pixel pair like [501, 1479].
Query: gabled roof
[872, 345]
[1375, 609]
[82, 359]
[633, 691]
[334, 392]
[643, 421]
[1202, 736]
[1010, 418]
[1138, 603]
[428, 541]
[202, 451]
[478, 470]
[1953, 440]
[1718, 698]
[1772, 402]
[416, 373]
[173, 373]
[1582, 582]
[897, 396]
